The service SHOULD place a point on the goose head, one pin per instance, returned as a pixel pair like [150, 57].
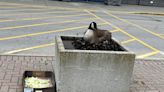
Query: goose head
[90, 32]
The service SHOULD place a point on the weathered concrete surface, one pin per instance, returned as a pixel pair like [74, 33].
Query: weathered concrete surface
[92, 71]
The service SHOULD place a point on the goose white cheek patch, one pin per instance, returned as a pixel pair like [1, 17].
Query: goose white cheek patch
[88, 35]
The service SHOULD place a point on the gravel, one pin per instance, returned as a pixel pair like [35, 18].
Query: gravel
[110, 45]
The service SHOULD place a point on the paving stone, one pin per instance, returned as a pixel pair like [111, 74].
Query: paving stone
[43, 59]
[8, 77]
[38, 58]
[15, 58]
[12, 90]
[27, 58]
[10, 66]
[4, 81]
[49, 58]
[14, 80]
[21, 58]
[19, 90]
[2, 76]
[3, 58]
[4, 89]
[152, 91]
[16, 86]
[9, 58]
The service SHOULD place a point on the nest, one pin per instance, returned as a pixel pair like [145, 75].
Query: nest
[103, 45]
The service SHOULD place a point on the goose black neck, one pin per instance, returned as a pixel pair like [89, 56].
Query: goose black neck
[94, 25]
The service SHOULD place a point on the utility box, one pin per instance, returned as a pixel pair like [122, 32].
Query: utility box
[91, 70]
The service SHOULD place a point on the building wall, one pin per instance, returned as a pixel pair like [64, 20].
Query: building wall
[144, 2]
[132, 2]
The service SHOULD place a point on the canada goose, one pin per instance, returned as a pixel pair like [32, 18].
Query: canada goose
[95, 35]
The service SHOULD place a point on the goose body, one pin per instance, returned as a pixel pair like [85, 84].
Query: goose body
[95, 35]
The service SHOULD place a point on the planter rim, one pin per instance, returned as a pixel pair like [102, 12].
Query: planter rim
[62, 48]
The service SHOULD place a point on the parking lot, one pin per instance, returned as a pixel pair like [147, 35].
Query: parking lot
[31, 29]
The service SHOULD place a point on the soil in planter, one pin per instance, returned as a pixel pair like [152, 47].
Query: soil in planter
[110, 45]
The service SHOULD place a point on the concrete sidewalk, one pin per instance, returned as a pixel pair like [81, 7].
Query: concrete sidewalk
[148, 74]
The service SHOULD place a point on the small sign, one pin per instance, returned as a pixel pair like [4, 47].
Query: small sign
[28, 90]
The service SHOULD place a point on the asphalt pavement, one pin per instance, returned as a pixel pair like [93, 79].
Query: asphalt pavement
[31, 29]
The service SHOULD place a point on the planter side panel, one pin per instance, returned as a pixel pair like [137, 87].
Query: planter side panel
[94, 72]
[56, 63]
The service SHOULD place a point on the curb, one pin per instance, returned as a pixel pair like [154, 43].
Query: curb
[150, 59]
[51, 57]
[148, 13]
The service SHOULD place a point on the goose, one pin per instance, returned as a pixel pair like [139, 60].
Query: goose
[96, 35]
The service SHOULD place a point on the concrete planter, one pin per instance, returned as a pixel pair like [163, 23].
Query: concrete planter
[91, 70]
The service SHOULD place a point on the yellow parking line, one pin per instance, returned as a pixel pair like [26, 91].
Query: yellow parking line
[29, 48]
[54, 7]
[148, 54]
[45, 7]
[161, 34]
[149, 13]
[115, 30]
[127, 41]
[140, 27]
[18, 14]
[42, 24]
[15, 7]
[19, 10]
[6, 7]
[43, 45]
[68, 8]
[1, 8]
[38, 18]
[22, 5]
[94, 15]
[12, 6]
[33, 9]
[42, 33]
[39, 6]
[109, 23]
